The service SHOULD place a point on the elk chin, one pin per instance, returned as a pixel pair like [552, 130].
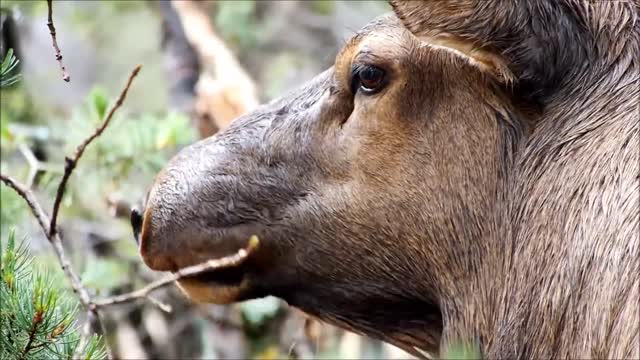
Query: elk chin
[203, 292]
[222, 286]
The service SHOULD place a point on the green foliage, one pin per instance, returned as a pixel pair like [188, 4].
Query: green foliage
[100, 102]
[236, 21]
[131, 148]
[36, 319]
[24, 7]
[15, 107]
[5, 132]
[322, 7]
[461, 351]
[14, 103]
[257, 312]
[105, 273]
[145, 141]
[8, 64]
[12, 209]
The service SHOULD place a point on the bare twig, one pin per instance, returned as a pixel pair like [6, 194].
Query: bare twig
[162, 306]
[214, 264]
[55, 240]
[30, 199]
[71, 162]
[52, 31]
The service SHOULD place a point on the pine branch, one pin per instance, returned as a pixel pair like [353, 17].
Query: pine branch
[6, 67]
[35, 323]
[52, 31]
[36, 320]
[56, 243]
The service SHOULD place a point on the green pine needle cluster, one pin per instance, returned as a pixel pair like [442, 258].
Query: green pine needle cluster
[6, 67]
[37, 320]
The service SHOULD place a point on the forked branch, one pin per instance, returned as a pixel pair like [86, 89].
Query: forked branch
[49, 227]
[71, 162]
[43, 220]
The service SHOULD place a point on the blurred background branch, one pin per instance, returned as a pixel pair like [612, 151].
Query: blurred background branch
[224, 89]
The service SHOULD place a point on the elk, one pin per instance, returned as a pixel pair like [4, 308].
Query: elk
[466, 170]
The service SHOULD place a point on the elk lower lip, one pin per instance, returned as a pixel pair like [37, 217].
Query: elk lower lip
[224, 241]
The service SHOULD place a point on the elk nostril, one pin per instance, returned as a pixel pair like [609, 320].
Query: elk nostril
[136, 223]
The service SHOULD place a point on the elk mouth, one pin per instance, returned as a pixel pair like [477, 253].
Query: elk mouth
[168, 249]
[223, 284]
[225, 277]
[219, 286]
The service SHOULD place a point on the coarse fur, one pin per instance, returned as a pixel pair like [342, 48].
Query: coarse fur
[489, 193]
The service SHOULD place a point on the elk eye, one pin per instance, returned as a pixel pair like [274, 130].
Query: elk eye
[367, 79]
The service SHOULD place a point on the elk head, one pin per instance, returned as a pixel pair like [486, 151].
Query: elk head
[373, 188]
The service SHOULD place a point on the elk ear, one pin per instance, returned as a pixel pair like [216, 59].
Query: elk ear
[439, 23]
[533, 43]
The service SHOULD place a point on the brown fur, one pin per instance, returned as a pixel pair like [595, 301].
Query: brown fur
[489, 193]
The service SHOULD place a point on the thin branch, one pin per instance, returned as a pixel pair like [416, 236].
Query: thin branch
[56, 242]
[49, 227]
[52, 31]
[30, 199]
[214, 264]
[93, 306]
[71, 162]
[161, 305]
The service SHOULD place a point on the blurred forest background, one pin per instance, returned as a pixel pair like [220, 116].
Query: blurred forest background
[204, 63]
